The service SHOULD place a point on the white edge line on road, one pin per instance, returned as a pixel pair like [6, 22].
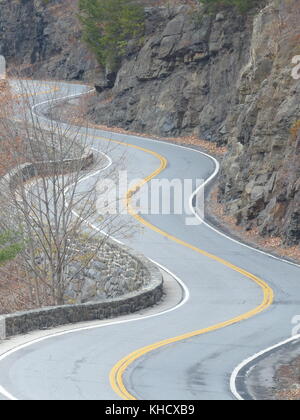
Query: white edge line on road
[237, 370]
[215, 173]
[186, 296]
[9, 396]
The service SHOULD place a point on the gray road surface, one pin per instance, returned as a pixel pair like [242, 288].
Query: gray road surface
[77, 366]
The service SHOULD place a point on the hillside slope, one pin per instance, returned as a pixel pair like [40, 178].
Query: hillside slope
[183, 80]
[43, 39]
[223, 77]
[260, 174]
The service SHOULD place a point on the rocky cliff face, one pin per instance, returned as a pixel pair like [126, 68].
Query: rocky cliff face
[227, 79]
[223, 77]
[260, 181]
[43, 38]
[183, 79]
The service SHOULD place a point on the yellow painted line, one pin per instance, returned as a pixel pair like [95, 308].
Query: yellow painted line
[117, 373]
[45, 92]
[26, 94]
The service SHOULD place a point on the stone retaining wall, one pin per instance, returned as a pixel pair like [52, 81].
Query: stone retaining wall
[40, 319]
[150, 281]
[114, 271]
[29, 170]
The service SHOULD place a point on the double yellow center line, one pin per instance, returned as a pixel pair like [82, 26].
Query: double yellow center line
[117, 373]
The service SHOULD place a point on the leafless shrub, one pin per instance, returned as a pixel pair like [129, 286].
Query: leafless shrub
[53, 211]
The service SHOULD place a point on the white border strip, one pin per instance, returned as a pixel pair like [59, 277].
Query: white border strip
[237, 370]
[214, 175]
[9, 353]
[187, 295]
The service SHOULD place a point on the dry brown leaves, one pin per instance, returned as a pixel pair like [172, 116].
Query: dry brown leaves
[14, 293]
[208, 146]
[288, 381]
[274, 244]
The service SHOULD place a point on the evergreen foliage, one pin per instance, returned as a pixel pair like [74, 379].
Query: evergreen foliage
[242, 5]
[108, 25]
[9, 249]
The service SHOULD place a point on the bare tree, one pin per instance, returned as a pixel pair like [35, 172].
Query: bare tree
[49, 199]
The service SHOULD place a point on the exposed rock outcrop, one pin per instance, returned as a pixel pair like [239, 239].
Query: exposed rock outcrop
[220, 77]
[182, 81]
[43, 38]
[260, 175]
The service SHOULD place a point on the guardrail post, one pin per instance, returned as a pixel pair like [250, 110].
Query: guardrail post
[2, 328]
[2, 68]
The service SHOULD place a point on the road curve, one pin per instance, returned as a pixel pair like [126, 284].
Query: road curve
[189, 353]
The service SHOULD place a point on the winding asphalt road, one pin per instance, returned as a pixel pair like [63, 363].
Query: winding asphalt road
[228, 317]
